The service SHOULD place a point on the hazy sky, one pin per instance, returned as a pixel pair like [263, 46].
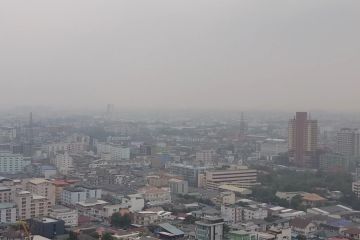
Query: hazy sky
[224, 54]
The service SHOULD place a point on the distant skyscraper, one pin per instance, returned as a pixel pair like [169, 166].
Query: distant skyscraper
[303, 140]
[243, 128]
[348, 142]
[109, 111]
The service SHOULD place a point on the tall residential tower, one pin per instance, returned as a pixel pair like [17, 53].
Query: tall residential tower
[303, 140]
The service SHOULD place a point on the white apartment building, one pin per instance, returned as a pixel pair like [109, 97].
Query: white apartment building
[72, 195]
[42, 187]
[30, 205]
[7, 212]
[12, 163]
[69, 216]
[135, 202]
[63, 163]
[116, 152]
[91, 192]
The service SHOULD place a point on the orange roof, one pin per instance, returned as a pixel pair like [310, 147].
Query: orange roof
[312, 197]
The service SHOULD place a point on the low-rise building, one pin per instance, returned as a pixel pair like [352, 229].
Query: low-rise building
[145, 218]
[135, 202]
[69, 216]
[155, 196]
[303, 226]
[47, 227]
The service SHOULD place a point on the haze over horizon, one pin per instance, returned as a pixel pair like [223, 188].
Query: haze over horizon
[229, 55]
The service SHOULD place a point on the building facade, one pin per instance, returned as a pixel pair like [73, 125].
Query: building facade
[303, 140]
[12, 163]
[178, 186]
[243, 177]
[348, 142]
[209, 228]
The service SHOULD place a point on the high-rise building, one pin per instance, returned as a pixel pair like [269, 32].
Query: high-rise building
[303, 140]
[348, 142]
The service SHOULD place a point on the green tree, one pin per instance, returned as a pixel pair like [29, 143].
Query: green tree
[190, 219]
[107, 236]
[72, 236]
[121, 221]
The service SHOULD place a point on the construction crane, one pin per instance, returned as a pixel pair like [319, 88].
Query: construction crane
[25, 227]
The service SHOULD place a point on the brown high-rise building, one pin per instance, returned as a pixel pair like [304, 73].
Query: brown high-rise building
[303, 140]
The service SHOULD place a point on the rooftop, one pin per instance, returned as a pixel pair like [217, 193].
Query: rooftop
[37, 181]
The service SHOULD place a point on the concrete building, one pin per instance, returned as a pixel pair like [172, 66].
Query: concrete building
[30, 205]
[116, 152]
[12, 163]
[356, 188]
[243, 177]
[145, 218]
[7, 212]
[6, 195]
[135, 202]
[72, 195]
[303, 140]
[333, 162]
[188, 172]
[59, 187]
[69, 216]
[348, 142]
[205, 156]
[42, 187]
[63, 163]
[155, 196]
[236, 213]
[178, 186]
[209, 228]
[91, 192]
[227, 198]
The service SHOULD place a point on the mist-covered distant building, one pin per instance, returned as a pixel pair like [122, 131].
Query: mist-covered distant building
[348, 142]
